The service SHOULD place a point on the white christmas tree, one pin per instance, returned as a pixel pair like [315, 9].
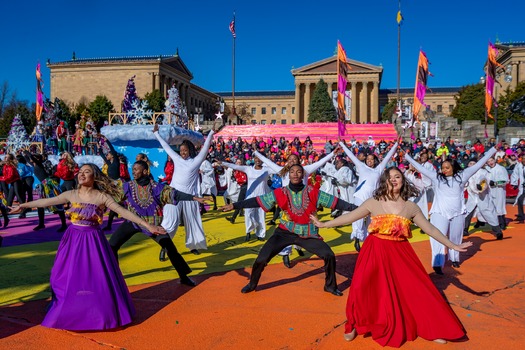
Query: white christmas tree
[17, 137]
[175, 106]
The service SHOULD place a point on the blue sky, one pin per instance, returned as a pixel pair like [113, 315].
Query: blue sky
[273, 37]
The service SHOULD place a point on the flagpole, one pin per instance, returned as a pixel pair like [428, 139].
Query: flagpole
[338, 72]
[398, 54]
[233, 74]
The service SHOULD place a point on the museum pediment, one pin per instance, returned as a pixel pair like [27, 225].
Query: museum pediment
[329, 66]
[176, 63]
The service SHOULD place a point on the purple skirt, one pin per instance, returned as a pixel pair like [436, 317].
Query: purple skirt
[89, 291]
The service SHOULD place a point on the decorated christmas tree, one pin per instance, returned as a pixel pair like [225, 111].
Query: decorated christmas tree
[174, 105]
[130, 97]
[17, 137]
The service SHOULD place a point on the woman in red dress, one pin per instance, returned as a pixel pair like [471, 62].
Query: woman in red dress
[391, 296]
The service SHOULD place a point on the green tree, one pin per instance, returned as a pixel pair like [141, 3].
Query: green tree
[505, 100]
[13, 108]
[99, 110]
[155, 100]
[470, 103]
[389, 110]
[321, 108]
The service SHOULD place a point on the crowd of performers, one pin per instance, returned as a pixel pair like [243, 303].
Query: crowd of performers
[379, 189]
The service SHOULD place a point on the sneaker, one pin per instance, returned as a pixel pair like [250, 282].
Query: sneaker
[162, 254]
[286, 261]
[195, 251]
[187, 281]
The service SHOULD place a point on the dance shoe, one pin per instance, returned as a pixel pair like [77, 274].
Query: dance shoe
[162, 254]
[22, 215]
[232, 220]
[479, 224]
[39, 227]
[61, 229]
[286, 261]
[455, 264]
[357, 245]
[300, 251]
[350, 336]
[247, 289]
[214, 207]
[195, 251]
[260, 238]
[334, 291]
[438, 270]
[499, 236]
[6, 222]
[187, 281]
[248, 236]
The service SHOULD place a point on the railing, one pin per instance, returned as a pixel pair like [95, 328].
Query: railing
[156, 118]
[34, 147]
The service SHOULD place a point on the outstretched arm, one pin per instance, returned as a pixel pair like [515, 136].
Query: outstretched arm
[63, 198]
[312, 168]
[420, 168]
[238, 167]
[345, 219]
[468, 172]
[275, 168]
[173, 155]
[433, 232]
[205, 148]
[387, 158]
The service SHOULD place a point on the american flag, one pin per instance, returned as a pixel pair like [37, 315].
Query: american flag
[232, 27]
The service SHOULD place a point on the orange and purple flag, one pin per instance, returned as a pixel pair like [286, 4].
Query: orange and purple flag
[342, 65]
[39, 94]
[421, 84]
[492, 65]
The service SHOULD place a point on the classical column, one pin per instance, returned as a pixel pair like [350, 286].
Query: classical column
[306, 103]
[353, 116]
[156, 78]
[363, 108]
[375, 102]
[297, 101]
[514, 73]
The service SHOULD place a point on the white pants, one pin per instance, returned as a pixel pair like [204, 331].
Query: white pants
[360, 227]
[453, 229]
[195, 238]
[254, 219]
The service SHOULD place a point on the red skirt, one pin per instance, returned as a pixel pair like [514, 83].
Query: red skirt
[393, 298]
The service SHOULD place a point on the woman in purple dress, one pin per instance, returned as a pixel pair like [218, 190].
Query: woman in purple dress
[89, 292]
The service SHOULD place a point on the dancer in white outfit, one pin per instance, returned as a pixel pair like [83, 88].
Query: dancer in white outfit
[345, 180]
[283, 172]
[185, 179]
[208, 185]
[498, 179]
[232, 187]
[448, 209]
[480, 201]
[422, 183]
[369, 173]
[254, 218]
[517, 179]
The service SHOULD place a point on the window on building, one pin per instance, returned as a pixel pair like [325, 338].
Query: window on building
[293, 121]
[450, 108]
[254, 110]
[439, 108]
[274, 110]
[273, 121]
[263, 122]
[254, 121]
[293, 110]
[283, 121]
[283, 110]
[263, 110]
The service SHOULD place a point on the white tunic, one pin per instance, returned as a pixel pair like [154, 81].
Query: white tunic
[327, 186]
[518, 179]
[346, 183]
[368, 177]
[448, 198]
[208, 184]
[500, 177]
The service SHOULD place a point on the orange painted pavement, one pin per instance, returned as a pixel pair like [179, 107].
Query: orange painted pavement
[289, 310]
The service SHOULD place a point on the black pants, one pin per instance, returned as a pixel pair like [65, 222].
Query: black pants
[126, 230]
[468, 219]
[242, 196]
[16, 188]
[281, 239]
[27, 188]
[521, 215]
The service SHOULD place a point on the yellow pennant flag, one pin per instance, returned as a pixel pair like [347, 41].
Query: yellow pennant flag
[399, 17]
